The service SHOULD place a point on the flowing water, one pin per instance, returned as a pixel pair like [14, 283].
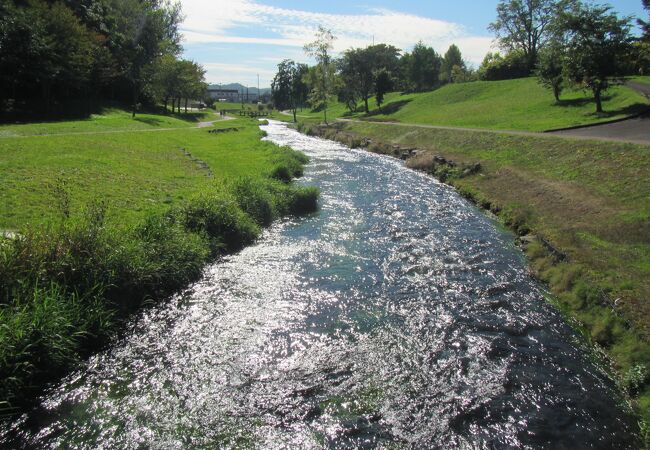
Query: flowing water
[397, 316]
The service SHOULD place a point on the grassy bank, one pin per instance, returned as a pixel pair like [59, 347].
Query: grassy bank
[521, 104]
[582, 209]
[105, 225]
[110, 119]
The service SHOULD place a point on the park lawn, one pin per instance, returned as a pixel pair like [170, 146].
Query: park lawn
[521, 104]
[135, 172]
[108, 120]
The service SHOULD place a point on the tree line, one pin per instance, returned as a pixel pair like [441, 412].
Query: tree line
[562, 42]
[62, 55]
[362, 73]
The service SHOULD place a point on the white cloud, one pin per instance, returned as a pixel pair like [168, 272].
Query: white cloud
[272, 34]
[233, 21]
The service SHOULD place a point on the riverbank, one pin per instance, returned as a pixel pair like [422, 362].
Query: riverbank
[580, 208]
[106, 225]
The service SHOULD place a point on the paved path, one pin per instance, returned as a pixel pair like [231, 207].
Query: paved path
[510, 132]
[635, 130]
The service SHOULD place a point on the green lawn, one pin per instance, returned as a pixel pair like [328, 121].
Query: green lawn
[109, 120]
[521, 104]
[134, 171]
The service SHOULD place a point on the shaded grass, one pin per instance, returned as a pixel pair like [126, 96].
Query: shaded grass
[79, 266]
[587, 204]
[110, 119]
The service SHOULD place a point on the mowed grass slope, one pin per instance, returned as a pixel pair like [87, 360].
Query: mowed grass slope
[135, 172]
[521, 104]
[109, 120]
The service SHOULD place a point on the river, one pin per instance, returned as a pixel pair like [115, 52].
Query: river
[398, 316]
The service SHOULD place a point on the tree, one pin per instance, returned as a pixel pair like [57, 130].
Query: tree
[496, 67]
[287, 87]
[323, 86]
[192, 80]
[645, 26]
[63, 51]
[597, 43]
[550, 68]
[281, 85]
[451, 59]
[358, 67]
[383, 84]
[423, 67]
[301, 88]
[523, 25]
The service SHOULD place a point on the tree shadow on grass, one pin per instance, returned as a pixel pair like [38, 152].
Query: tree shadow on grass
[629, 110]
[390, 108]
[196, 116]
[148, 121]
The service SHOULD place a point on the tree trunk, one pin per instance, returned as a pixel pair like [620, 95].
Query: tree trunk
[135, 97]
[599, 103]
[294, 115]
[556, 92]
[185, 105]
[365, 102]
[165, 104]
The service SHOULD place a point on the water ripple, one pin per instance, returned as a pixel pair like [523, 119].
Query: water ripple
[398, 316]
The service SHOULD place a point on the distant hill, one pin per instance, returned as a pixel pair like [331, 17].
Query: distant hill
[240, 88]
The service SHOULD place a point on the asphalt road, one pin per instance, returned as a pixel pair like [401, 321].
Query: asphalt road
[635, 130]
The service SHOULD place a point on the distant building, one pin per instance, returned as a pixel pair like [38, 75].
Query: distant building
[229, 95]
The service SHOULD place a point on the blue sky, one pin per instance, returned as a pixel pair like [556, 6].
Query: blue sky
[237, 39]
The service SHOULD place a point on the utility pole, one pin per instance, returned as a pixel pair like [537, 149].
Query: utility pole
[258, 88]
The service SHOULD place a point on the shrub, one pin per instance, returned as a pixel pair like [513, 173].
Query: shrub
[221, 220]
[282, 173]
[254, 198]
[42, 333]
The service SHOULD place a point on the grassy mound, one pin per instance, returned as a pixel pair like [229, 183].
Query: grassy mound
[521, 104]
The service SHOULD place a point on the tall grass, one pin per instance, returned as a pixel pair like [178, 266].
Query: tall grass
[66, 287]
